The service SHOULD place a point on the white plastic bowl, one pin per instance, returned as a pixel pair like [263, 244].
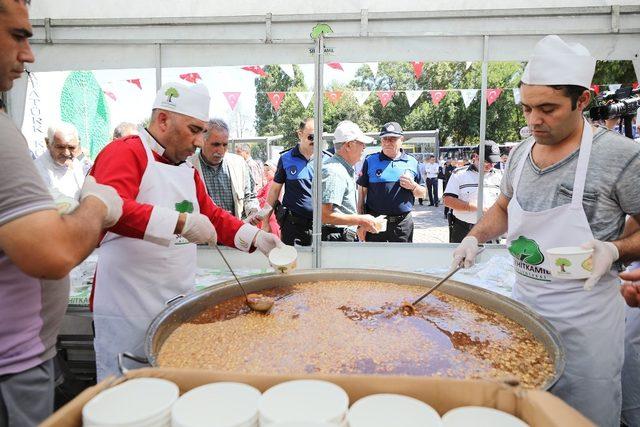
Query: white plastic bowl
[478, 416]
[284, 259]
[384, 410]
[223, 404]
[569, 262]
[137, 402]
[304, 400]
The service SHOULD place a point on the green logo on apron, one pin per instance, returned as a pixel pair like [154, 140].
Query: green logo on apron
[184, 206]
[526, 250]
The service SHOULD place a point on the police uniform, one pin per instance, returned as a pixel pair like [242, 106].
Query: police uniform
[463, 184]
[295, 214]
[380, 175]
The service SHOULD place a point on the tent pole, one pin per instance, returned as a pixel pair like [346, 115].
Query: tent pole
[158, 66]
[317, 153]
[483, 124]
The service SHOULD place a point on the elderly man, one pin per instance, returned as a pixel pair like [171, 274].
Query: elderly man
[225, 174]
[339, 213]
[38, 248]
[124, 129]
[567, 187]
[150, 255]
[244, 151]
[58, 166]
[389, 184]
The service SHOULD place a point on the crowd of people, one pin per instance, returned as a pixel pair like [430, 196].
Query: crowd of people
[155, 192]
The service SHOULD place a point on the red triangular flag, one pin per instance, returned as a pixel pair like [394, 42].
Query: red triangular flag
[437, 95]
[596, 89]
[385, 96]
[634, 85]
[417, 68]
[191, 77]
[492, 95]
[136, 82]
[232, 98]
[256, 69]
[110, 94]
[333, 96]
[335, 65]
[276, 99]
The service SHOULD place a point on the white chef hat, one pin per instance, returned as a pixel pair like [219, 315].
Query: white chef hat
[555, 62]
[192, 100]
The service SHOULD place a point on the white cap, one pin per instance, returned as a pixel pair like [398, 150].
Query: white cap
[349, 131]
[555, 62]
[192, 100]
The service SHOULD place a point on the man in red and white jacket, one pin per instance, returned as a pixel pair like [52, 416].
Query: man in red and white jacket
[149, 256]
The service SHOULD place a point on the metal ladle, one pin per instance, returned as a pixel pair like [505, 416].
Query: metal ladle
[256, 302]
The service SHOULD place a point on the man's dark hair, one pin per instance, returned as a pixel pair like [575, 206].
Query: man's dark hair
[2, 107]
[303, 123]
[573, 92]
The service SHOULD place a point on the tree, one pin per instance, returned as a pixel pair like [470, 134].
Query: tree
[614, 72]
[562, 263]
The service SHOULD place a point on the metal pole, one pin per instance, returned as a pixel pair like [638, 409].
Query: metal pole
[483, 125]
[317, 153]
[158, 66]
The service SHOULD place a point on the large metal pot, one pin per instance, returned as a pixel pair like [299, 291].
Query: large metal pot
[188, 307]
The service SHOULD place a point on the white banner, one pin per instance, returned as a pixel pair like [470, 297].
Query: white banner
[412, 96]
[614, 87]
[374, 67]
[468, 95]
[361, 96]
[305, 98]
[288, 70]
[516, 95]
[468, 64]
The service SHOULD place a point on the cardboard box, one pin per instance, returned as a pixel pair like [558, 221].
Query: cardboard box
[535, 407]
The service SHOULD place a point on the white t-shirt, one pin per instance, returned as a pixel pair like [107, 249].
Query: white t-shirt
[464, 185]
[431, 170]
[61, 179]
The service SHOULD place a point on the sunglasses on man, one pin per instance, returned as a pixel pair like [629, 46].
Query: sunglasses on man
[218, 144]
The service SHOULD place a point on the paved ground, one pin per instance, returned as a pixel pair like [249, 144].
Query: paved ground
[430, 226]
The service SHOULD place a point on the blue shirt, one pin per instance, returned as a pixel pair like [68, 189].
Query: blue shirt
[296, 173]
[380, 175]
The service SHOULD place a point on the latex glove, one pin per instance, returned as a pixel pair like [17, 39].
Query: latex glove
[264, 242]
[107, 195]
[255, 216]
[466, 251]
[199, 229]
[604, 255]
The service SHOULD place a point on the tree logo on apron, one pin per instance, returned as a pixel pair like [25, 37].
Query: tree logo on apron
[184, 206]
[528, 258]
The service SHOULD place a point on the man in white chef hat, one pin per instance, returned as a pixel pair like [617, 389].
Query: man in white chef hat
[566, 186]
[149, 255]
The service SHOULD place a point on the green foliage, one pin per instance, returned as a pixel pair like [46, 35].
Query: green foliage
[614, 72]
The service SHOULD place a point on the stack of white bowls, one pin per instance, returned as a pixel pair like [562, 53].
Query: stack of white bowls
[385, 410]
[222, 404]
[478, 416]
[304, 401]
[141, 402]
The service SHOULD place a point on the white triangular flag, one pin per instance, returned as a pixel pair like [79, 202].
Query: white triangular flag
[468, 95]
[614, 87]
[374, 67]
[361, 96]
[412, 96]
[516, 95]
[468, 64]
[305, 98]
[288, 70]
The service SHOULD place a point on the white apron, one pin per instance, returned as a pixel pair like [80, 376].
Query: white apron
[591, 323]
[631, 368]
[134, 277]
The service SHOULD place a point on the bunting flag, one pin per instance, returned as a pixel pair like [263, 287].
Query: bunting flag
[256, 69]
[417, 68]
[412, 96]
[288, 70]
[468, 64]
[110, 94]
[373, 66]
[361, 96]
[595, 89]
[191, 77]
[468, 95]
[335, 65]
[305, 98]
[437, 96]
[135, 82]
[333, 96]
[276, 99]
[232, 98]
[614, 87]
[516, 95]
[634, 85]
[385, 96]
[492, 95]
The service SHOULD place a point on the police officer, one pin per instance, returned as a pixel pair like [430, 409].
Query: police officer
[295, 173]
[389, 183]
[461, 192]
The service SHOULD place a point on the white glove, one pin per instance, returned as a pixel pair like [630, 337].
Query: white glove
[199, 229]
[107, 195]
[266, 241]
[466, 251]
[604, 255]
